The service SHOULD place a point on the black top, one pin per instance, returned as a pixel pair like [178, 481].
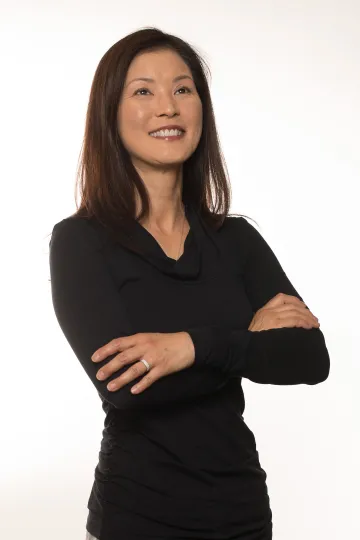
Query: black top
[178, 461]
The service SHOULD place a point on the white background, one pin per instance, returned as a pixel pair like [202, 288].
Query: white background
[286, 93]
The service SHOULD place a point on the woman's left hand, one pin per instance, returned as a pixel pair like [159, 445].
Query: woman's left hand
[165, 352]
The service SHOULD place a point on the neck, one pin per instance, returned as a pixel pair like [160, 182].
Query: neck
[165, 218]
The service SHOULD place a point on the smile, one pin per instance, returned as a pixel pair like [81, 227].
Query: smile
[168, 134]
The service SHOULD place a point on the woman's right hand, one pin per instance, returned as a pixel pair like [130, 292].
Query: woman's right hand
[283, 311]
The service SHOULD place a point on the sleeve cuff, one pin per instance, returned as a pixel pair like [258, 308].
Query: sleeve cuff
[222, 348]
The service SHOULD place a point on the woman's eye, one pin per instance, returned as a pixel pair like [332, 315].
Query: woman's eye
[182, 88]
[140, 90]
[185, 88]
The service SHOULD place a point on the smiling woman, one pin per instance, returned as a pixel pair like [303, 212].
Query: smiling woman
[176, 460]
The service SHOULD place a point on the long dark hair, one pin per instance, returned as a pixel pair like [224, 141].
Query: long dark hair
[106, 176]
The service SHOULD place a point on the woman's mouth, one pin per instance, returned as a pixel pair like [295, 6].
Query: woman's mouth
[168, 134]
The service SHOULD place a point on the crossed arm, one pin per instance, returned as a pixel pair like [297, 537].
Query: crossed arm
[88, 310]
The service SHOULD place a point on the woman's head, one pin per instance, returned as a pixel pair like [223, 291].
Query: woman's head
[145, 106]
[117, 143]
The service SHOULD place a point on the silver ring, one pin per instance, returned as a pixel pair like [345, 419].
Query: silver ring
[146, 364]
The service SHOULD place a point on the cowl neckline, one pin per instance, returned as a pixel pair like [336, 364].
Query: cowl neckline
[188, 266]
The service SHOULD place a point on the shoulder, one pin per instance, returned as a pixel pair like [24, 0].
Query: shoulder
[235, 221]
[73, 229]
[238, 226]
[242, 225]
[71, 221]
[242, 235]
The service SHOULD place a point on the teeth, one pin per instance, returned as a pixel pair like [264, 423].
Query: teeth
[166, 133]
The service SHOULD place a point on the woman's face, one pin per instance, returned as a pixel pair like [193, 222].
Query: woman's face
[147, 106]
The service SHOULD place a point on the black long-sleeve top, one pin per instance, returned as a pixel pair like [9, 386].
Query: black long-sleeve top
[177, 461]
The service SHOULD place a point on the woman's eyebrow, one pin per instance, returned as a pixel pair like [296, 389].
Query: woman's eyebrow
[149, 79]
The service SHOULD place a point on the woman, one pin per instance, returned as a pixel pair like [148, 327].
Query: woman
[176, 297]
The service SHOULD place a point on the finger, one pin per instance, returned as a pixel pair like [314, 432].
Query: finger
[301, 310]
[296, 318]
[147, 381]
[301, 314]
[120, 360]
[304, 322]
[134, 372]
[115, 345]
[305, 312]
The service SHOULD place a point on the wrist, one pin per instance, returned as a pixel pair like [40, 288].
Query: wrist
[190, 347]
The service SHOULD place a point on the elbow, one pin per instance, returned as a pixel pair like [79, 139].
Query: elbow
[120, 399]
[322, 371]
[318, 359]
[318, 379]
[123, 399]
